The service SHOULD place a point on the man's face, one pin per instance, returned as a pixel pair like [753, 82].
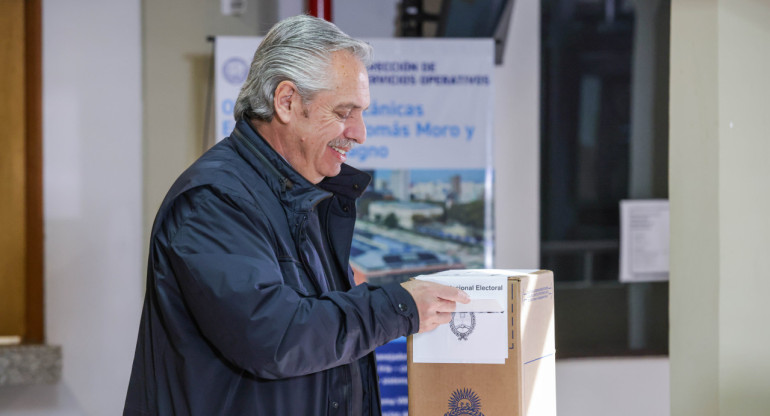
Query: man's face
[327, 127]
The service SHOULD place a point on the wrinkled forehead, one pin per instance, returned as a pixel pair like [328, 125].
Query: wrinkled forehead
[346, 83]
[345, 67]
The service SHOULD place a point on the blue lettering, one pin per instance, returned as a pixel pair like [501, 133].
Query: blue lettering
[361, 153]
[394, 109]
[438, 131]
[469, 132]
[394, 130]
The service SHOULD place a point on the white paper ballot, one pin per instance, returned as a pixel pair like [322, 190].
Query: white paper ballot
[478, 332]
[481, 305]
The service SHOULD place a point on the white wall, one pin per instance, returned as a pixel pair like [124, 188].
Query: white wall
[92, 138]
[517, 142]
[177, 66]
[720, 199]
[613, 387]
[693, 191]
[744, 207]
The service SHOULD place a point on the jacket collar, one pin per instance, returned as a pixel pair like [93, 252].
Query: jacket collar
[350, 182]
[291, 187]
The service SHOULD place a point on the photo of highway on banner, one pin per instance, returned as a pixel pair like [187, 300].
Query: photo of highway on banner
[418, 221]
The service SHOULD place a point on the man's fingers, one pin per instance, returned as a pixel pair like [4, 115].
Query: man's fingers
[444, 317]
[435, 302]
[445, 306]
[438, 318]
[452, 294]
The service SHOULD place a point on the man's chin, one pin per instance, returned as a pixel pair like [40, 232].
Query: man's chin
[333, 171]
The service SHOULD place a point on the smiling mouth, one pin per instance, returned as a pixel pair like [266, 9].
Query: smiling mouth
[340, 150]
[342, 146]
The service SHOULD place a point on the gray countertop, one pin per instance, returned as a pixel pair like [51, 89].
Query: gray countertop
[30, 364]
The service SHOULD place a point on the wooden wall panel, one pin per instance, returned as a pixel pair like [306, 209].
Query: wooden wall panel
[33, 108]
[12, 169]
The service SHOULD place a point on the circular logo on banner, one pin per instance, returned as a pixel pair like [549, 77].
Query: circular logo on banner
[464, 402]
[235, 70]
[462, 324]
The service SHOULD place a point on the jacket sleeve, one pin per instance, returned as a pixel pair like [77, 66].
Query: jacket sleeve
[224, 260]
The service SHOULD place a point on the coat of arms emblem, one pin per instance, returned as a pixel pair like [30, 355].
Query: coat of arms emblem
[462, 324]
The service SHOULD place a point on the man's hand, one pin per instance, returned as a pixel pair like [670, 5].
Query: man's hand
[435, 302]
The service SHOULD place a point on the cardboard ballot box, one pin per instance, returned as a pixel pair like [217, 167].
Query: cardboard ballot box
[524, 385]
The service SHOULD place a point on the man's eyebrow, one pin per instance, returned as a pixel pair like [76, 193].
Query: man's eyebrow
[347, 106]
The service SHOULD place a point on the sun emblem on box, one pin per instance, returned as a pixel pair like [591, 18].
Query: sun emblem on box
[462, 324]
[464, 402]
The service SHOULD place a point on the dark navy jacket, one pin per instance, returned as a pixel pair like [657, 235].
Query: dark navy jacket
[238, 317]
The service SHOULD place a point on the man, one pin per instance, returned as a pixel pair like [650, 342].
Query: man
[250, 306]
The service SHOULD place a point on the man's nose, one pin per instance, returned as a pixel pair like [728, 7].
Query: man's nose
[355, 129]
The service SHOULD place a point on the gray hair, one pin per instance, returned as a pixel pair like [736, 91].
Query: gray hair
[298, 49]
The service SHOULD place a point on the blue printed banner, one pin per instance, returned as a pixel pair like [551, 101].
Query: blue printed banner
[391, 367]
[430, 105]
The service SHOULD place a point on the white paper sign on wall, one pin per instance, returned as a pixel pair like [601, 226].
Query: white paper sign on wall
[644, 240]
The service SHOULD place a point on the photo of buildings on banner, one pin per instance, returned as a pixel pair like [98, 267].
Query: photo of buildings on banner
[418, 221]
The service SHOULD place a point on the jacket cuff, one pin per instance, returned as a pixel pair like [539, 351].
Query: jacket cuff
[404, 305]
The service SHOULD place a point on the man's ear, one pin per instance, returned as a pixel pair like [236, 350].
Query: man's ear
[284, 100]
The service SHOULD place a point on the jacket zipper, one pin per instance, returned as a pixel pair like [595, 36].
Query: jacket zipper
[340, 268]
[301, 235]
